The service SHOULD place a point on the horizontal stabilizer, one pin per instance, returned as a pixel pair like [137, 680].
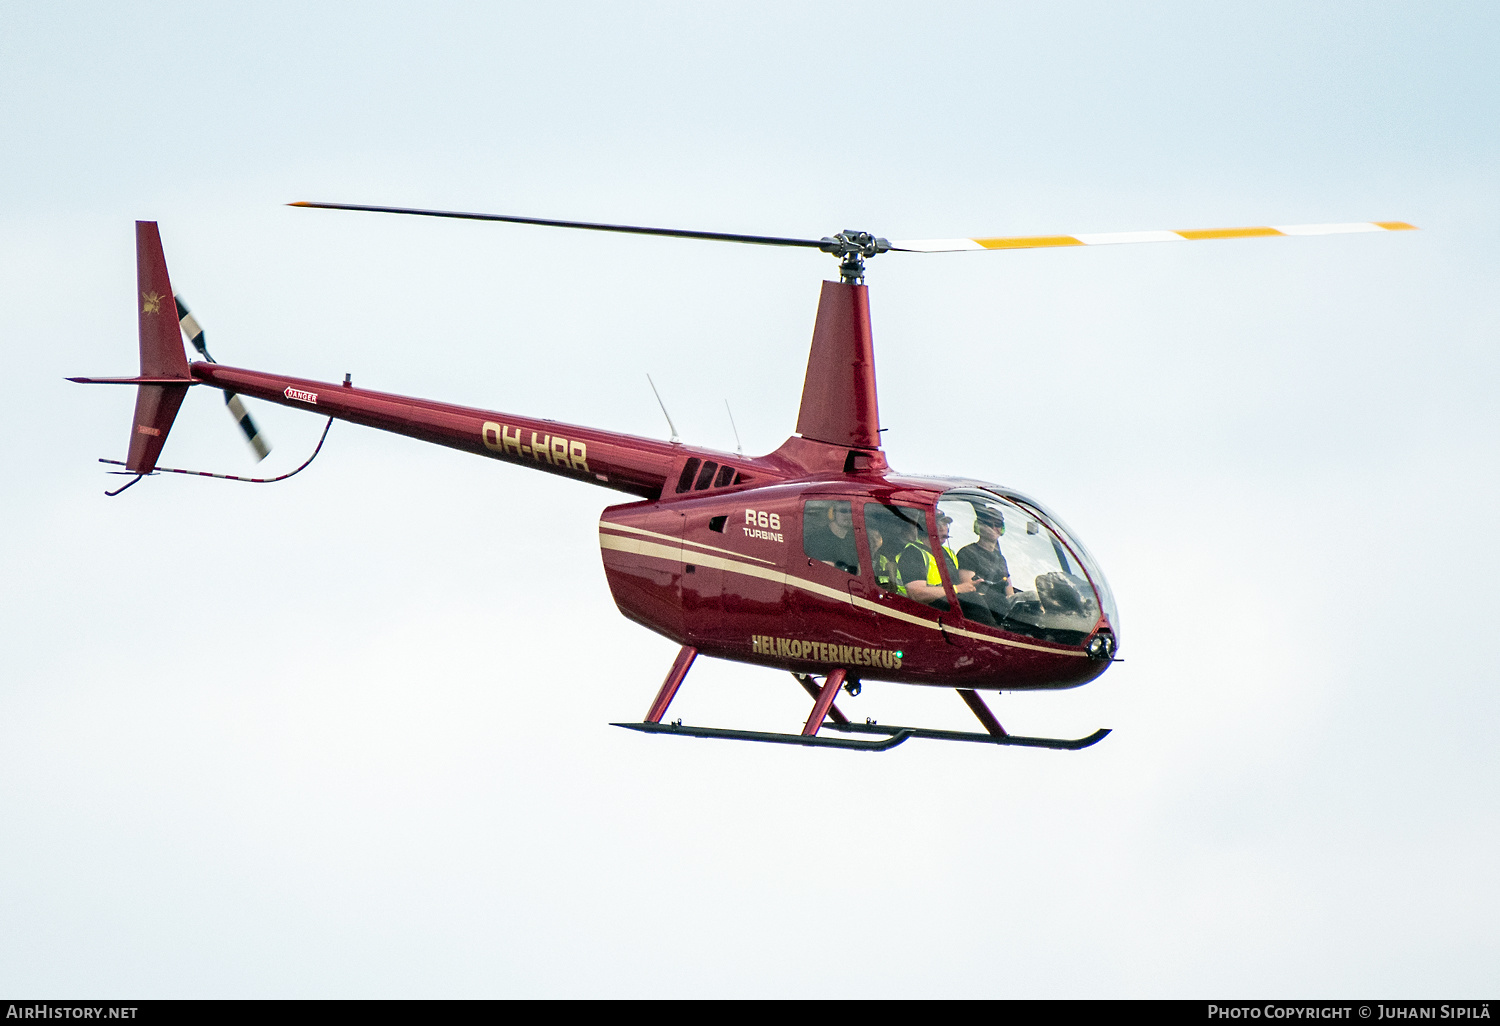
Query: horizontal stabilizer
[132, 381]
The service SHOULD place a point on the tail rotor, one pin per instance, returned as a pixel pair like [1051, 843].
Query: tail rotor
[194, 331]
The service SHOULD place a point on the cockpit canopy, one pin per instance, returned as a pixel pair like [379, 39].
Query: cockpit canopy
[1032, 575]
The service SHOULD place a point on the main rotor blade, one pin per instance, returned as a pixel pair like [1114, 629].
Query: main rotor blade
[1118, 238]
[679, 233]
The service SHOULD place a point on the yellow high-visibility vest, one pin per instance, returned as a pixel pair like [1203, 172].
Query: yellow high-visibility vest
[934, 579]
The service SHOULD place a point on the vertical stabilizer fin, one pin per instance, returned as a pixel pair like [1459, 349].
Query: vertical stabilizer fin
[838, 395]
[162, 355]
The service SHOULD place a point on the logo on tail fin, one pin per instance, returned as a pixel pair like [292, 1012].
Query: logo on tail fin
[150, 302]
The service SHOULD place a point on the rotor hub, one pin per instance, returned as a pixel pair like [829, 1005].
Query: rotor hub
[852, 247]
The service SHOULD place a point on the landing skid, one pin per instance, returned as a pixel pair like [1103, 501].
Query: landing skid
[897, 735]
[962, 735]
[894, 736]
[826, 714]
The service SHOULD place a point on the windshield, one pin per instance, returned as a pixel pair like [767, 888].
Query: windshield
[1075, 544]
[1027, 580]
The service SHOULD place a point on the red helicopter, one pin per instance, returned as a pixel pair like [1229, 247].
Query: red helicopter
[816, 558]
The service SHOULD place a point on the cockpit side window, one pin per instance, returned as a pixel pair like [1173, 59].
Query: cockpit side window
[828, 533]
[903, 558]
[883, 536]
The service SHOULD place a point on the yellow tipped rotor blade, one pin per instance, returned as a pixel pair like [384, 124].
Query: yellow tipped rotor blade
[1119, 238]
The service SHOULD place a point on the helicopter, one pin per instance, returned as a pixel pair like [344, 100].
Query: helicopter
[817, 558]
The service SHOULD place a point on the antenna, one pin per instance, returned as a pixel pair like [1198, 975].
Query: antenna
[664, 413]
[737, 446]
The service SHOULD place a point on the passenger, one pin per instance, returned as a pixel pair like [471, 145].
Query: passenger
[832, 540]
[885, 570]
[984, 557]
[906, 549]
[917, 568]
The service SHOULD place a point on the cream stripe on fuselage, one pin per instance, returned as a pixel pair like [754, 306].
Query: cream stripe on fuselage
[678, 555]
[668, 537]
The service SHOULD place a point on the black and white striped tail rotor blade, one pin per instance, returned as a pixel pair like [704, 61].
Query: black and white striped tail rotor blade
[191, 328]
[194, 331]
[252, 433]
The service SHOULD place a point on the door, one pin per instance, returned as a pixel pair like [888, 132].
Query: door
[703, 574]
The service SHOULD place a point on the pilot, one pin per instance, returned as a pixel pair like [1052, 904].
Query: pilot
[984, 557]
[832, 541]
[917, 568]
[968, 583]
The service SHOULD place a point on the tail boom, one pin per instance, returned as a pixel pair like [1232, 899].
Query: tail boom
[627, 463]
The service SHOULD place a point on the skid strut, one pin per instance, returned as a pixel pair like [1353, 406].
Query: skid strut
[830, 691]
[811, 687]
[976, 704]
[675, 676]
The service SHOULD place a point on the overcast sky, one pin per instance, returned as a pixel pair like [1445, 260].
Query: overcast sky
[348, 735]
